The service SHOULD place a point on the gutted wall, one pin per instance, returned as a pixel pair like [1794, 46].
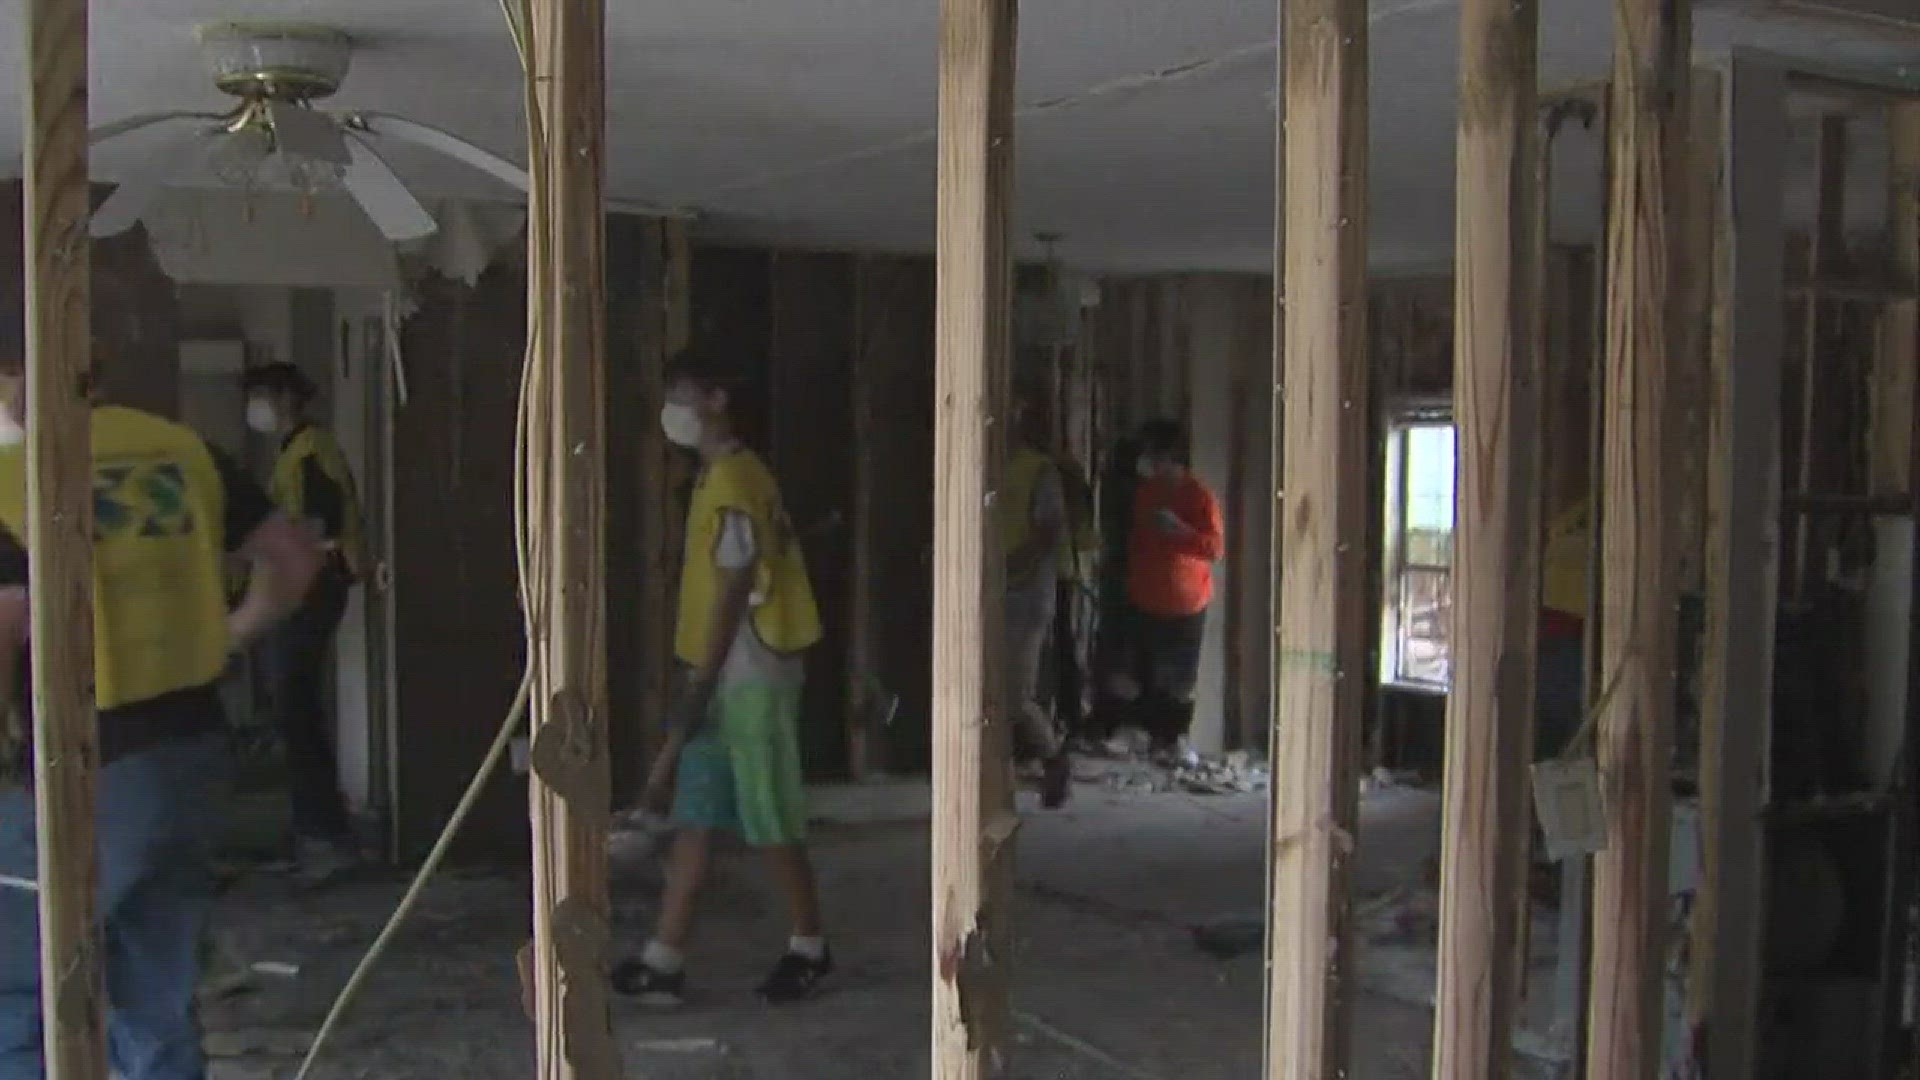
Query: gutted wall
[837, 353]
[1199, 349]
[457, 646]
[458, 636]
[828, 345]
[136, 313]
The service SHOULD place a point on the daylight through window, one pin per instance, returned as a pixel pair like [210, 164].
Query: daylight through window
[1419, 569]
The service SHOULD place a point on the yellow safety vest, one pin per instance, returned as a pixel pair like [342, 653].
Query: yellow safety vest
[289, 489]
[159, 523]
[1013, 509]
[784, 616]
[1564, 559]
[1014, 506]
[1081, 559]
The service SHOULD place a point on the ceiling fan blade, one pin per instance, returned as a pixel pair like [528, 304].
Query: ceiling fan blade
[443, 142]
[305, 132]
[123, 209]
[386, 200]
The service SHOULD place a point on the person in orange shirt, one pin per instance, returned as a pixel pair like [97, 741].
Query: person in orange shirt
[1177, 537]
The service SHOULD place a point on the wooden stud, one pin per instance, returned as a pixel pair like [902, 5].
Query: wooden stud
[1696, 154]
[1825, 248]
[566, 302]
[1321, 664]
[1743, 521]
[1249, 513]
[1651, 46]
[972, 784]
[1705, 309]
[662, 472]
[1496, 561]
[1894, 369]
[865, 754]
[60, 535]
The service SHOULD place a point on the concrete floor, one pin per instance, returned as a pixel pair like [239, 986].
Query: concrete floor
[1109, 983]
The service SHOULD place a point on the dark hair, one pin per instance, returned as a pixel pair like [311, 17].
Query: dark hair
[1166, 437]
[279, 378]
[707, 371]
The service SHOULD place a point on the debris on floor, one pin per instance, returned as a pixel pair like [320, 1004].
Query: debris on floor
[1125, 764]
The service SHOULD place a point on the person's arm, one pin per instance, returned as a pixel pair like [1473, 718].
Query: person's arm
[282, 556]
[734, 558]
[1213, 535]
[1045, 518]
[13, 635]
[283, 559]
[325, 503]
[14, 631]
[1204, 534]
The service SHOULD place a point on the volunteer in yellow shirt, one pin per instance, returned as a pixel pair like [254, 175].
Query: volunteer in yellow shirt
[167, 509]
[311, 484]
[1031, 515]
[732, 757]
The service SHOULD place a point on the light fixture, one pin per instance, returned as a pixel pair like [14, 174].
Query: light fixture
[285, 61]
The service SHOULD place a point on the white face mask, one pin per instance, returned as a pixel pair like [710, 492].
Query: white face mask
[682, 425]
[1148, 470]
[261, 417]
[11, 433]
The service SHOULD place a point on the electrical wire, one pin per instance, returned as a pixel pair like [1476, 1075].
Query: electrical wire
[532, 566]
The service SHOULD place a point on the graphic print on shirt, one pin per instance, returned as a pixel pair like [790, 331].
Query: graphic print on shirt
[141, 499]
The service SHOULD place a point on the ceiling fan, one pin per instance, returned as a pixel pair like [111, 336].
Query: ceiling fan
[276, 140]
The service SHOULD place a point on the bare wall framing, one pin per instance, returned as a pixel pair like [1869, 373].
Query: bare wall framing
[836, 356]
[458, 635]
[136, 312]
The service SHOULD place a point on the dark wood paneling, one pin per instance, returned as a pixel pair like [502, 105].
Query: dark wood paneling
[638, 623]
[136, 311]
[733, 318]
[458, 638]
[810, 371]
[895, 338]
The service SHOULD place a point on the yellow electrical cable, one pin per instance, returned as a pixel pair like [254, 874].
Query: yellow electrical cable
[533, 570]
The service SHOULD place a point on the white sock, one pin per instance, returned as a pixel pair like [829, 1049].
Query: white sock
[812, 948]
[663, 958]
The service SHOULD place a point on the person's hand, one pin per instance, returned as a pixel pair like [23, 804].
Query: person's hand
[657, 796]
[523, 964]
[689, 709]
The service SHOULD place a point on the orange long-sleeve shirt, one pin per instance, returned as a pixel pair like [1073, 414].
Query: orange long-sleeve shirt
[1172, 574]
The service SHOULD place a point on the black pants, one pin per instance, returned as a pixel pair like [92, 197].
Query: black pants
[1069, 681]
[294, 656]
[1166, 665]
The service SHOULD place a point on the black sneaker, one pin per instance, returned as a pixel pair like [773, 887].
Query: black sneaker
[653, 989]
[795, 978]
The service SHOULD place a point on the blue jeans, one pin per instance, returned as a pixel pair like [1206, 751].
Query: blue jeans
[158, 812]
[294, 657]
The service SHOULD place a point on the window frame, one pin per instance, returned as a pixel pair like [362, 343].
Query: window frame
[1397, 566]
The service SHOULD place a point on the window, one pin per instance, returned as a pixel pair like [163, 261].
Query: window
[1419, 557]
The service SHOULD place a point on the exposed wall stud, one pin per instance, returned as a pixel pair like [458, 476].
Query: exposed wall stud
[1320, 662]
[973, 821]
[1496, 554]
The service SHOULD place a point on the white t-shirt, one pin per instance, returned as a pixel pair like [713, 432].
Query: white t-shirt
[1031, 596]
[749, 662]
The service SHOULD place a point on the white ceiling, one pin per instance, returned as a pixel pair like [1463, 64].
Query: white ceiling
[1146, 135]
